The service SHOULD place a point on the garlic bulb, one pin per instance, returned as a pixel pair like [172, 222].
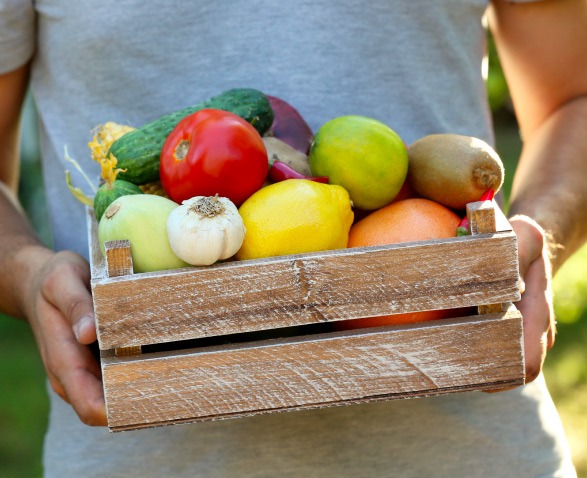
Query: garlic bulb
[205, 229]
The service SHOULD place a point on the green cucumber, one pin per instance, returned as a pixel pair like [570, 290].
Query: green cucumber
[138, 151]
[108, 192]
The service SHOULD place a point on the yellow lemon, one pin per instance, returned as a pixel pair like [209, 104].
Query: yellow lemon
[363, 155]
[295, 216]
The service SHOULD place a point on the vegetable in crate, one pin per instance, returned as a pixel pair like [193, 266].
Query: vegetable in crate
[142, 219]
[138, 152]
[277, 150]
[281, 171]
[205, 229]
[289, 126]
[112, 188]
[453, 169]
[213, 152]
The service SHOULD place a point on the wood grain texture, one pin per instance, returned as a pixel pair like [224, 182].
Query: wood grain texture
[237, 297]
[124, 351]
[478, 352]
[118, 258]
[260, 376]
[481, 216]
[482, 220]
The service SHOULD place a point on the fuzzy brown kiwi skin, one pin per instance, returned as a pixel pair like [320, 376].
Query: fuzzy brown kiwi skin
[453, 169]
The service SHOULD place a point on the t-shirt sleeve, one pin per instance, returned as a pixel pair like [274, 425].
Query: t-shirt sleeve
[17, 33]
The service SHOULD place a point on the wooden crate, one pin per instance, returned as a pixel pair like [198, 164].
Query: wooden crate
[243, 338]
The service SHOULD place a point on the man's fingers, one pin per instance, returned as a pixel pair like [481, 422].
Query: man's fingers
[66, 287]
[536, 309]
[85, 394]
[530, 246]
[73, 371]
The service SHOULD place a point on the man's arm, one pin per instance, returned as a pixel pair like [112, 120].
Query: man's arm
[542, 47]
[49, 289]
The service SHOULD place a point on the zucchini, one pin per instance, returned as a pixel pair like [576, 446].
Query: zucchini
[108, 192]
[138, 151]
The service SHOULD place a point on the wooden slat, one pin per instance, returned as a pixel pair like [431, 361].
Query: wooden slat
[294, 290]
[479, 352]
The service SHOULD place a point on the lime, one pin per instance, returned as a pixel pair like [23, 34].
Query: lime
[363, 155]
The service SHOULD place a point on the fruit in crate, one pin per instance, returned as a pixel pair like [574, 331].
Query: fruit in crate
[241, 140]
[138, 151]
[213, 152]
[364, 156]
[453, 169]
[414, 219]
[295, 216]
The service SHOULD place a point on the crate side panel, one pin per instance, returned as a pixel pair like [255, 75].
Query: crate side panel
[444, 275]
[255, 295]
[333, 369]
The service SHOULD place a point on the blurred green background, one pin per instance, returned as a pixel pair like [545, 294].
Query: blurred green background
[23, 398]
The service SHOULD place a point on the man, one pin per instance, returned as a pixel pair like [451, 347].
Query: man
[414, 66]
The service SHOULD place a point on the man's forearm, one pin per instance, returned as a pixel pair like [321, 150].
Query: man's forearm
[21, 254]
[549, 184]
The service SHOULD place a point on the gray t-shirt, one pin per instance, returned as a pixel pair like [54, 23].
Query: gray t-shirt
[413, 65]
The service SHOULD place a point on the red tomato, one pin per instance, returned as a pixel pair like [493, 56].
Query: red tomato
[213, 152]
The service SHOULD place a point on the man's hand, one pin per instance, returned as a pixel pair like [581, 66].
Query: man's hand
[536, 284]
[62, 319]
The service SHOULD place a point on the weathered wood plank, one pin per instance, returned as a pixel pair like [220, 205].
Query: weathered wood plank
[479, 352]
[245, 296]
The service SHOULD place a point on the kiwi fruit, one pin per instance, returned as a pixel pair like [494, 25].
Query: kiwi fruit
[453, 169]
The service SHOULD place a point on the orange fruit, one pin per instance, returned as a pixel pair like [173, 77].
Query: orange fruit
[413, 219]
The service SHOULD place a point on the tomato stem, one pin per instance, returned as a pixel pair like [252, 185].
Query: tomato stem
[181, 150]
